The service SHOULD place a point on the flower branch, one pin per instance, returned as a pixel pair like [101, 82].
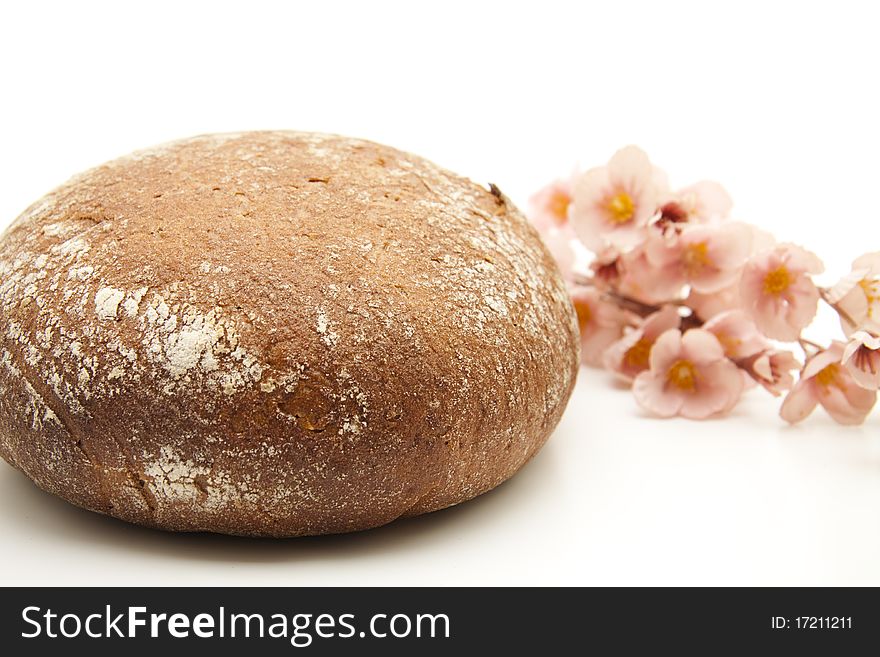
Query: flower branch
[690, 307]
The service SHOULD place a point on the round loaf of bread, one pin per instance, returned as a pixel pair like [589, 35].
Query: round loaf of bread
[277, 334]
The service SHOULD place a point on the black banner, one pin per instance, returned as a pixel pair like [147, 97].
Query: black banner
[436, 621]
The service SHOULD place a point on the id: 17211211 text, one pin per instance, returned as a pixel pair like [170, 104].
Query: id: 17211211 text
[811, 623]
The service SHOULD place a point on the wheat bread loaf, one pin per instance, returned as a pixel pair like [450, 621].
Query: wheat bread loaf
[277, 334]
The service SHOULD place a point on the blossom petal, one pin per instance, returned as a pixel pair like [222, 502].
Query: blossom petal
[645, 282]
[660, 252]
[848, 404]
[861, 357]
[708, 305]
[861, 399]
[631, 168]
[558, 243]
[860, 339]
[799, 259]
[595, 341]
[737, 333]
[834, 354]
[652, 394]
[549, 207]
[714, 280]
[613, 358]
[662, 320]
[701, 347]
[772, 369]
[710, 200]
[666, 350]
[731, 245]
[587, 217]
[854, 305]
[803, 303]
[770, 315]
[846, 284]
[869, 262]
[719, 388]
[799, 403]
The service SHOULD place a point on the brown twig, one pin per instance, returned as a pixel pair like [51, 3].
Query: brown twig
[809, 348]
[641, 308]
[628, 303]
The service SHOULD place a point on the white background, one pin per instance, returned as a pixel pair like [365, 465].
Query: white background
[778, 101]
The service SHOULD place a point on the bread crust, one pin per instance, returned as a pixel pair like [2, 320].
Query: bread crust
[277, 334]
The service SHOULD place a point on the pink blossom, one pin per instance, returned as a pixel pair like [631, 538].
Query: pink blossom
[861, 357]
[702, 202]
[639, 280]
[708, 305]
[737, 333]
[778, 292]
[613, 204]
[548, 212]
[549, 207]
[630, 355]
[705, 201]
[772, 369]
[559, 244]
[858, 295]
[601, 323]
[688, 376]
[826, 381]
[761, 240]
[708, 257]
[607, 268]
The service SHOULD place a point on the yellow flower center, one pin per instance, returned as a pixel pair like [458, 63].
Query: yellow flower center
[777, 281]
[731, 345]
[584, 314]
[828, 376]
[695, 257]
[683, 376]
[558, 206]
[637, 356]
[621, 208]
[872, 293]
